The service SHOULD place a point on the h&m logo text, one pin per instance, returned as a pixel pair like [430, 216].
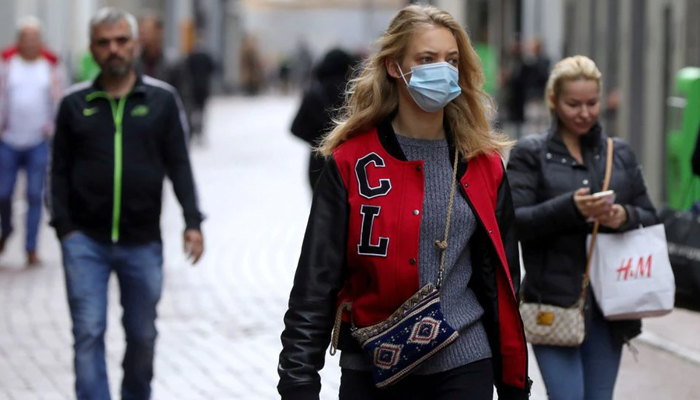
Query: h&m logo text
[642, 270]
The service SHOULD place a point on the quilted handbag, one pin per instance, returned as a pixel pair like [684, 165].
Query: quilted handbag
[561, 326]
[552, 325]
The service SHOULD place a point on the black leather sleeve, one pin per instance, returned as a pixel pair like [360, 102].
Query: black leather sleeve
[319, 277]
[505, 214]
[536, 219]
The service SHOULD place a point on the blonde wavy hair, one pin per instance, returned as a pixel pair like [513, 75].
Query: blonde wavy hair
[570, 69]
[373, 95]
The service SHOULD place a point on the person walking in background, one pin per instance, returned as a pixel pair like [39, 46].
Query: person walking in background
[553, 177]
[536, 72]
[153, 60]
[695, 165]
[116, 139]
[302, 66]
[251, 66]
[199, 66]
[515, 90]
[320, 103]
[31, 85]
[397, 180]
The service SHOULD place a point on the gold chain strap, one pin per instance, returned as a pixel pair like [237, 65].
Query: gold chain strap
[442, 244]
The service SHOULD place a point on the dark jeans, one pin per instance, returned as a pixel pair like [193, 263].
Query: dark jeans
[470, 382]
[88, 265]
[586, 372]
[34, 161]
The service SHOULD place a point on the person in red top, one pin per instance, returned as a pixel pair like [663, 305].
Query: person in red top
[31, 86]
[412, 160]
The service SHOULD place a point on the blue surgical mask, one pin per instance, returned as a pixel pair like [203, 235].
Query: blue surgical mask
[433, 86]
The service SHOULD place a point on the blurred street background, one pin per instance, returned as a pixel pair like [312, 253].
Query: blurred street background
[220, 322]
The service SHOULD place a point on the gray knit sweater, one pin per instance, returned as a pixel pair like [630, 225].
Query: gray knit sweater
[459, 304]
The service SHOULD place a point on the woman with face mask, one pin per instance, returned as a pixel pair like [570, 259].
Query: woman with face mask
[409, 264]
[554, 177]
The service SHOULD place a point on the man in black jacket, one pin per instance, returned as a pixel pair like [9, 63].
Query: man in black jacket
[115, 140]
[695, 164]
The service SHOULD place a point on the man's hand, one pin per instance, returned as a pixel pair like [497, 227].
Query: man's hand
[194, 245]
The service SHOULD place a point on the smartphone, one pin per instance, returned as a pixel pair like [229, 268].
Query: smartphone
[608, 195]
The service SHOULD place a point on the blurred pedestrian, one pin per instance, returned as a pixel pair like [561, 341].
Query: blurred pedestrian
[303, 65]
[251, 66]
[554, 176]
[536, 73]
[515, 88]
[116, 139]
[379, 234]
[695, 164]
[153, 60]
[199, 66]
[320, 103]
[31, 85]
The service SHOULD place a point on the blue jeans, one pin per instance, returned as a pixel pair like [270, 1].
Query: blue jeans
[88, 265]
[587, 372]
[34, 161]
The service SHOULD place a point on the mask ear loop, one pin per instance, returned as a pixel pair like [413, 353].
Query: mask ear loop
[403, 76]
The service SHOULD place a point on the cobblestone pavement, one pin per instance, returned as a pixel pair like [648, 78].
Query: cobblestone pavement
[220, 322]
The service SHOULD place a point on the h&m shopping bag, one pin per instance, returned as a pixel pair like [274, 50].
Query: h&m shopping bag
[631, 274]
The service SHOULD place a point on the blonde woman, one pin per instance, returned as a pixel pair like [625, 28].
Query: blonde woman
[553, 177]
[381, 211]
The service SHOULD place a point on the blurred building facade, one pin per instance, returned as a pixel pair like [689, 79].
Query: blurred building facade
[639, 45]
[66, 21]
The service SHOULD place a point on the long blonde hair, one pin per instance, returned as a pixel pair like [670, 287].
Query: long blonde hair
[569, 69]
[372, 96]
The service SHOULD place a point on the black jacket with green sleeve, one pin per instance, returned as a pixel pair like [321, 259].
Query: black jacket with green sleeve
[109, 160]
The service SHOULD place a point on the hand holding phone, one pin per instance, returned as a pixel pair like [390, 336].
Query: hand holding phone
[608, 195]
[591, 206]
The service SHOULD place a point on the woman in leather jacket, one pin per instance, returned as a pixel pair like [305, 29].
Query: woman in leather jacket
[414, 143]
[553, 177]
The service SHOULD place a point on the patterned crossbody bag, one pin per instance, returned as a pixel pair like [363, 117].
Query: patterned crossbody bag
[414, 332]
[561, 326]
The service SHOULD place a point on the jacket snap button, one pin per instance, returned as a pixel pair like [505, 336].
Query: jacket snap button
[563, 160]
[466, 185]
[490, 231]
[412, 261]
[585, 181]
[416, 212]
[549, 156]
[419, 168]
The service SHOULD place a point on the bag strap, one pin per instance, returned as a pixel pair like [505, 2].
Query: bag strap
[596, 226]
[442, 244]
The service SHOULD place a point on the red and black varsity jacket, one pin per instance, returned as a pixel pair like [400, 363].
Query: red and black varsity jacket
[361, 246]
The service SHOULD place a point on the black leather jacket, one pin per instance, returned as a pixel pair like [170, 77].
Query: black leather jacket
[552, 232]
[321, 274]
